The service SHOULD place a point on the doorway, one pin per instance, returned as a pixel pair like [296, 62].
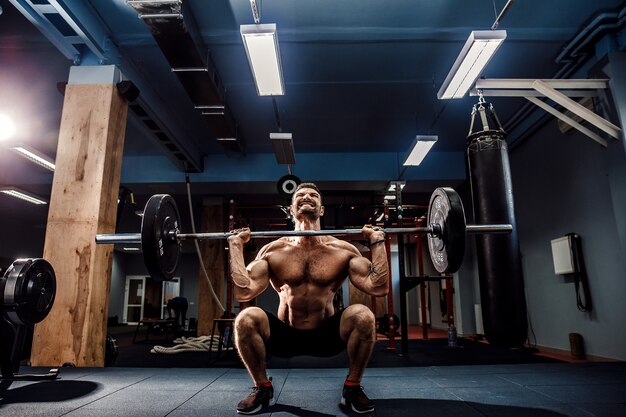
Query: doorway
[170, 290]
[147, 298]
[134, 294]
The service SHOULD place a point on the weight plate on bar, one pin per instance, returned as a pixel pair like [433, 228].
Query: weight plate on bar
[28, 289]
[161, 252]
[445, 212]
[287, 184]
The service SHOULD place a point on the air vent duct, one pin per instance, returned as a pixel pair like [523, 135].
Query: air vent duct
[175, 32]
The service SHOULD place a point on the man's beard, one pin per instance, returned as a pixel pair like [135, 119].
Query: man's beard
[311, 212]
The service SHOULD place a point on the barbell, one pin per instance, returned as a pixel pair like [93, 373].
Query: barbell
[160, 235]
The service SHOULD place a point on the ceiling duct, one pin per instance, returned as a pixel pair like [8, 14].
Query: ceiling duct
[147, 122]
[175, 32]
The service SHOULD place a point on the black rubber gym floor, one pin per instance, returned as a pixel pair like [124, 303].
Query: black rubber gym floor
[538, 390]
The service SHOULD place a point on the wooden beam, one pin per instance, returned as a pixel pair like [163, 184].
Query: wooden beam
[83, 203]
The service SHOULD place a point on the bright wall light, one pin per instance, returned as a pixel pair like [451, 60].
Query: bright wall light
[22, 195]
[261, 44]
[421, 146]
[7, 127]
[476, 53]
[34, 156]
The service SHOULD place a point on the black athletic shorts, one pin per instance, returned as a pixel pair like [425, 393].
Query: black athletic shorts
[323, 341]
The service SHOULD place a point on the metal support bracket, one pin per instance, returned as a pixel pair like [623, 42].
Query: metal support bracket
[559, 91]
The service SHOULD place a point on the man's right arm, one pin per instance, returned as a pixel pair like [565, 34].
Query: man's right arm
[253, 280]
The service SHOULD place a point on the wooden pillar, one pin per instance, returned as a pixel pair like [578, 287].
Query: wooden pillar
[83, 203]
[214, 262]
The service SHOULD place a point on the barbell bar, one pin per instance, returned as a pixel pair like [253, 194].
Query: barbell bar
[160, 236]
[135, 238]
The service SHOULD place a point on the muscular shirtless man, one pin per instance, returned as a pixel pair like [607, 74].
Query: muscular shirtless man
[306, 272]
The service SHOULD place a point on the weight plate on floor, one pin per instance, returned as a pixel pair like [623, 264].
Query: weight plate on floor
[445, 212]
[161, 251]
[28, 289]
[287, 184]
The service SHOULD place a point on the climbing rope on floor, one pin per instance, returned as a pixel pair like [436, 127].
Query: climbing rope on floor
[191, 344]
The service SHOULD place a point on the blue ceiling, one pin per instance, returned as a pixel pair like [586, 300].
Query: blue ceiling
[361, 81]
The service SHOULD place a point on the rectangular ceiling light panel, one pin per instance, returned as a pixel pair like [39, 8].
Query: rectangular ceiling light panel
[261, 44]
[283, 148]
[421, 146]
[22, 195]
[476, 53]
[35, 156]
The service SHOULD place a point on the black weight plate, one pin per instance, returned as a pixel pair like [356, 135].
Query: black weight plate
[287, 184]
[161, 252]
[445, 211]
[28, 290]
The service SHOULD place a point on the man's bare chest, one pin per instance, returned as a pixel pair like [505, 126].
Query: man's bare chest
[317, 265]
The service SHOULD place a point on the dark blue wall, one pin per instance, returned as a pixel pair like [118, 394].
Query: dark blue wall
[568, 183]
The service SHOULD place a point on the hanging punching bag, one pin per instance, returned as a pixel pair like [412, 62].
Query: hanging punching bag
[499, 261]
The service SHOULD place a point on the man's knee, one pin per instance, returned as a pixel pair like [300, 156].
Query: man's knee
[251, 320]
[360, 319]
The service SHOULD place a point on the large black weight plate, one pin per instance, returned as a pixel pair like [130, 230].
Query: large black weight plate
[445, 211]
[28, 289]
[287, 184]
[161, 252]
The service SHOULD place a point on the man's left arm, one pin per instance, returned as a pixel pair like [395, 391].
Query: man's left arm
[371, 277]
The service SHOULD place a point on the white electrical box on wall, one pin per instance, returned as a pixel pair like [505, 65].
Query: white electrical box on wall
[562, 256]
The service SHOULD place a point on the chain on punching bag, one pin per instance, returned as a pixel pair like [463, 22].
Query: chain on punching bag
[499, 260]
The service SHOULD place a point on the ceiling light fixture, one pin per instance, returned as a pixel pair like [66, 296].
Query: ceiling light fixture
[421, 146]
[283, 148]
[476, 53]
[22, 195]
[34, 156]
[261, 44]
